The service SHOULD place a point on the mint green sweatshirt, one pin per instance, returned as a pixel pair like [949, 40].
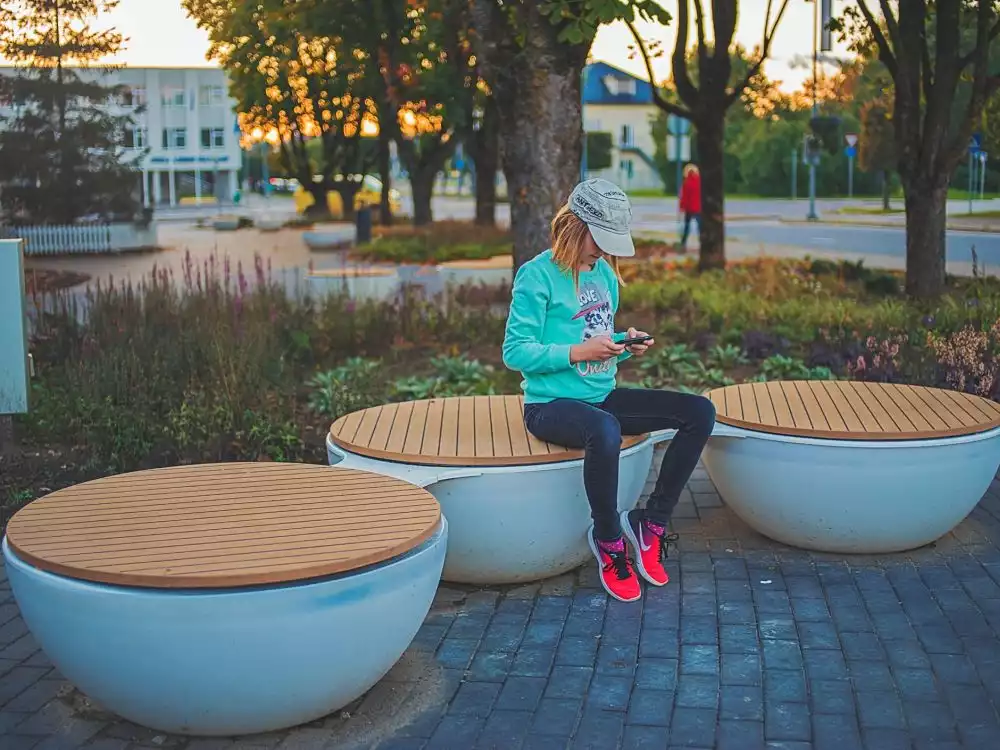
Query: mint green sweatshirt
[547, 317]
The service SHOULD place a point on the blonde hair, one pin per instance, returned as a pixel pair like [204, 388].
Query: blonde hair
[690, 168]
[569, 235]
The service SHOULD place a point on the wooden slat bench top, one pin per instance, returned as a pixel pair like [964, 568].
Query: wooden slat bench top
[223, 525]
[457, 431]
[853, 410]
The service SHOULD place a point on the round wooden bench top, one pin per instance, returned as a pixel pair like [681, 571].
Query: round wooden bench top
[458, 431]
[223, 525]
[853, 410]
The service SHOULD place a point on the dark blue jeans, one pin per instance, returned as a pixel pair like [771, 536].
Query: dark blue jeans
[598, 430]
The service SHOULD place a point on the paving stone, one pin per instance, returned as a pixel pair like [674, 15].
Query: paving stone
[474, 699]
[656, 674]
[818, 635]
[642, 737]
[929, 721]
[832, 696]
[658, 643]
[693, 727]
[17, 680]
[533, 662]
[886, 739]
[782, 655]
[698, 691]
[699, 630]
[618, 660]
[521, 693]
[738, 639]
[917, 685]
[954, 668]
[557, 716]
[568, 682]
[504, 729]
[598, 730]
[742, 702]
[836, 732]
[741, 669]
[784, 686]
[774, 628]
[787, 721]
[456, 731]
[650, 707]
[822, 664]
[577, 651]
[609, 692]
[702, 660]
[880, 710]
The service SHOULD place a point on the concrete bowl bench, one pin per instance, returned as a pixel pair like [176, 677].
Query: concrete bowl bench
[852, 466]
[356, 283]
[227, 599]
[516, 507]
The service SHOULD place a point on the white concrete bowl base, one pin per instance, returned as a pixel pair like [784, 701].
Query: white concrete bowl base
[512, 524]
[851, 496]
[224, 662]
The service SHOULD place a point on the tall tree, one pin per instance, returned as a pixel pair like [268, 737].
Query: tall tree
[705, 99]
[303, 84]
[62, 154]
[938, 55]
[533, 54]
[428, 78]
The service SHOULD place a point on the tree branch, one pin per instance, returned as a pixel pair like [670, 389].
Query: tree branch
[884, 50]
[724, 25]
[765, 50]
[658, 98]
[686, 90]
[699, 17]
[890, 22]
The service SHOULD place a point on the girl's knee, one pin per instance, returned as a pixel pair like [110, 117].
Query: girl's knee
[703, 415]
[606, 435]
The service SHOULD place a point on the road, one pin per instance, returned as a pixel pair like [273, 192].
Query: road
[778, 227]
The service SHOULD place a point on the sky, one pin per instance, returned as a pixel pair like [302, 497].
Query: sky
[159, 34]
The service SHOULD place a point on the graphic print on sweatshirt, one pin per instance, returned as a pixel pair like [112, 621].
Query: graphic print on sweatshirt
[598, 320]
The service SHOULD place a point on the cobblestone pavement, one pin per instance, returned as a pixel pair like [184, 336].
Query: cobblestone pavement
[752, 645]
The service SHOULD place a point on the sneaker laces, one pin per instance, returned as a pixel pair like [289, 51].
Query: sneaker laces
[620, 563]
[665, 541]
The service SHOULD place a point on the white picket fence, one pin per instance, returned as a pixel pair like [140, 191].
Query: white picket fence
[81, 238]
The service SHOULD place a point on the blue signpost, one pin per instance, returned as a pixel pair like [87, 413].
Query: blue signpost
[852, 151]
[975, 146]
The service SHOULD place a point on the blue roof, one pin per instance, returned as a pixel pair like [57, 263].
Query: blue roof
[596, 91]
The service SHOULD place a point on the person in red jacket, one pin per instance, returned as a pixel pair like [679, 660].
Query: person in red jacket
[690, 201]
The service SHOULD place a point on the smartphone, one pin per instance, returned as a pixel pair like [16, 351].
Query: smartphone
[637, 340]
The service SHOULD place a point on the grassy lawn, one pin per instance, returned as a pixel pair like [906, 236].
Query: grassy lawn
[869, 210]
[980, 215]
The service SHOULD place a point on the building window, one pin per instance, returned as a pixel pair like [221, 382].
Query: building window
[211, 96]
[213, 138]
[135, 138]
[626, 86]
[174, 138]
[626, 166]
[172, 97]
[133, 97]
[628, 135]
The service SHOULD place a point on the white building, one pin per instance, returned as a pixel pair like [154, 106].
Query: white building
[618, 103]
[189, 128]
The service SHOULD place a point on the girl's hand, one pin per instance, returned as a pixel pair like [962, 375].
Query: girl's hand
[639, 349]
[597, 349]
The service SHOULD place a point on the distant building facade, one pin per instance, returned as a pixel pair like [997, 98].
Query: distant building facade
[188, 127]
[617, 102]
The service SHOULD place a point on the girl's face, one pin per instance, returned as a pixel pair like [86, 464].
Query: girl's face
[590, 253]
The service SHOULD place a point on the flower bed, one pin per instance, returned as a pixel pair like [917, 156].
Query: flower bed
[226, 366]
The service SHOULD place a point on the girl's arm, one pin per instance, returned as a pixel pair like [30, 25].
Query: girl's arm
[523, 350]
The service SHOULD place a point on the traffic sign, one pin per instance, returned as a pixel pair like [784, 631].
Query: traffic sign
[982, 156]
[976, 143]
[851, 151]
[851, 139]
[678, 125]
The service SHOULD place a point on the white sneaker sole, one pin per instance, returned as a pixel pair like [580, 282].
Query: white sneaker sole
[600, 569]
[634, 541]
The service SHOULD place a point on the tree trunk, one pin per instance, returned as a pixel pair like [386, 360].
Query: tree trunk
[712, 232]
[318, 192]
[886, 197]
[535, 79]
[926, 217]
[385, 175]
[347, 190]
[486, 157]
[422, 187]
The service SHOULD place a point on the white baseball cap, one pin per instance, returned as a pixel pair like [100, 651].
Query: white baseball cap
[606, 210]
